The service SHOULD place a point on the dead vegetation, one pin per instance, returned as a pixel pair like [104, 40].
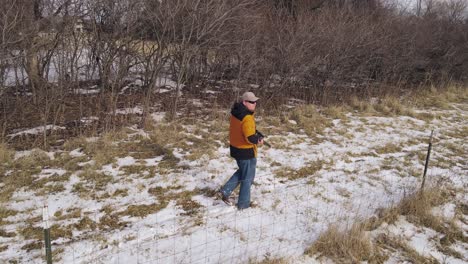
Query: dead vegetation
[346, 246]
[354, 244]
[304, 172]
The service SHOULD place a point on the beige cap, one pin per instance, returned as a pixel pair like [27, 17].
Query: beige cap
[249, 96]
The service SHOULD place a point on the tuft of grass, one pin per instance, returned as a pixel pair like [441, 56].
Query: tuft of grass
[309, 119]
[167, 134]
[32, 233]
[51, 184]
[69, 163]
[424, 116]
[69, 214]
[440, 98]
[32, 246]
[144, 209]
[364, 107]
[411, 255]
[335, 112]
[95, 179]
[6, 154]
[458, 150]
[137, 169]
[22, 173]
[183, 198]
[3, 248]
[143, 149]
[52, 189]
[168, 163]
[85, 224]
[389, 148]
[417, 209]
[391, 106]
[110, 222]
[57, 231]
[103, 150]
[308, 170]
[4, 233]
[190, 206]
[37, 159]
[268, 260]
[5, 213]
[120, 192]
[351, 245]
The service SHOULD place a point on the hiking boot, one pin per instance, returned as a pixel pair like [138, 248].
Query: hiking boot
[223, 198]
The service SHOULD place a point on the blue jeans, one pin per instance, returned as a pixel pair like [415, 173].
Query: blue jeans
[243, 176]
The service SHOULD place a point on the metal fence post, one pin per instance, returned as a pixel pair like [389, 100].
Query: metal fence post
[427, 161]
[47, 244]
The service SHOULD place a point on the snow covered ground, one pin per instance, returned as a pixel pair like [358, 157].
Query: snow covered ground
[358, 164]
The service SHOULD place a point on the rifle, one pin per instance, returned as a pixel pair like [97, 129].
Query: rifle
[261, 136]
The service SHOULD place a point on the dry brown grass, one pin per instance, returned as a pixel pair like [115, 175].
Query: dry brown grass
[3, 248]
[417, 210]
[440, 98]
[103, 150]
[270, 261]
[95, 180]
[386, 106]
[22, 172]
[143, 210]
[308, 170]
[137, 169]
[4, 233]
[389, 148]
[335, 112]
[185, 201]
[392, 106]
[361, 105]
[85, 224]
[70, 213]
[182, 198]
[406, 251]
[309, 119]
[6, 154]
[5, 213]
[352, 245]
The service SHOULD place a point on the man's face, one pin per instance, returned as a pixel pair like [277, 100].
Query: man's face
[250, 105]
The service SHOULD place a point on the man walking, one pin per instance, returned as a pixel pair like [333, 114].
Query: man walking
[243, 140]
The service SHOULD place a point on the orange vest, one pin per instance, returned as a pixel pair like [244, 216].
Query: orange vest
[239, 132]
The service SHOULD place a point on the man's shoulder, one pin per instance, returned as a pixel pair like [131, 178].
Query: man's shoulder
[247, 118]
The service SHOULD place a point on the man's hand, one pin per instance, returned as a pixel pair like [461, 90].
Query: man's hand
[260, 141]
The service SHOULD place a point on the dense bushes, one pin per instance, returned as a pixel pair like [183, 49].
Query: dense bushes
[320, 51]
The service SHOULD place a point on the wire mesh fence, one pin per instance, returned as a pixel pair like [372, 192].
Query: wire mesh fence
[288, 218]
[285, 222]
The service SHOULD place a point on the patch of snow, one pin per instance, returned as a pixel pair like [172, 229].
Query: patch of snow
[211, 92]
[125, 111]
[158, 117]
[36, 130]
[167, 82]
[86, 91]
[446, 211]
[90, 119]
[77, 153]
[127, 161]
[153, 161]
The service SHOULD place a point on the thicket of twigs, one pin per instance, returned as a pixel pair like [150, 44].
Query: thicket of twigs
[316, 50]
